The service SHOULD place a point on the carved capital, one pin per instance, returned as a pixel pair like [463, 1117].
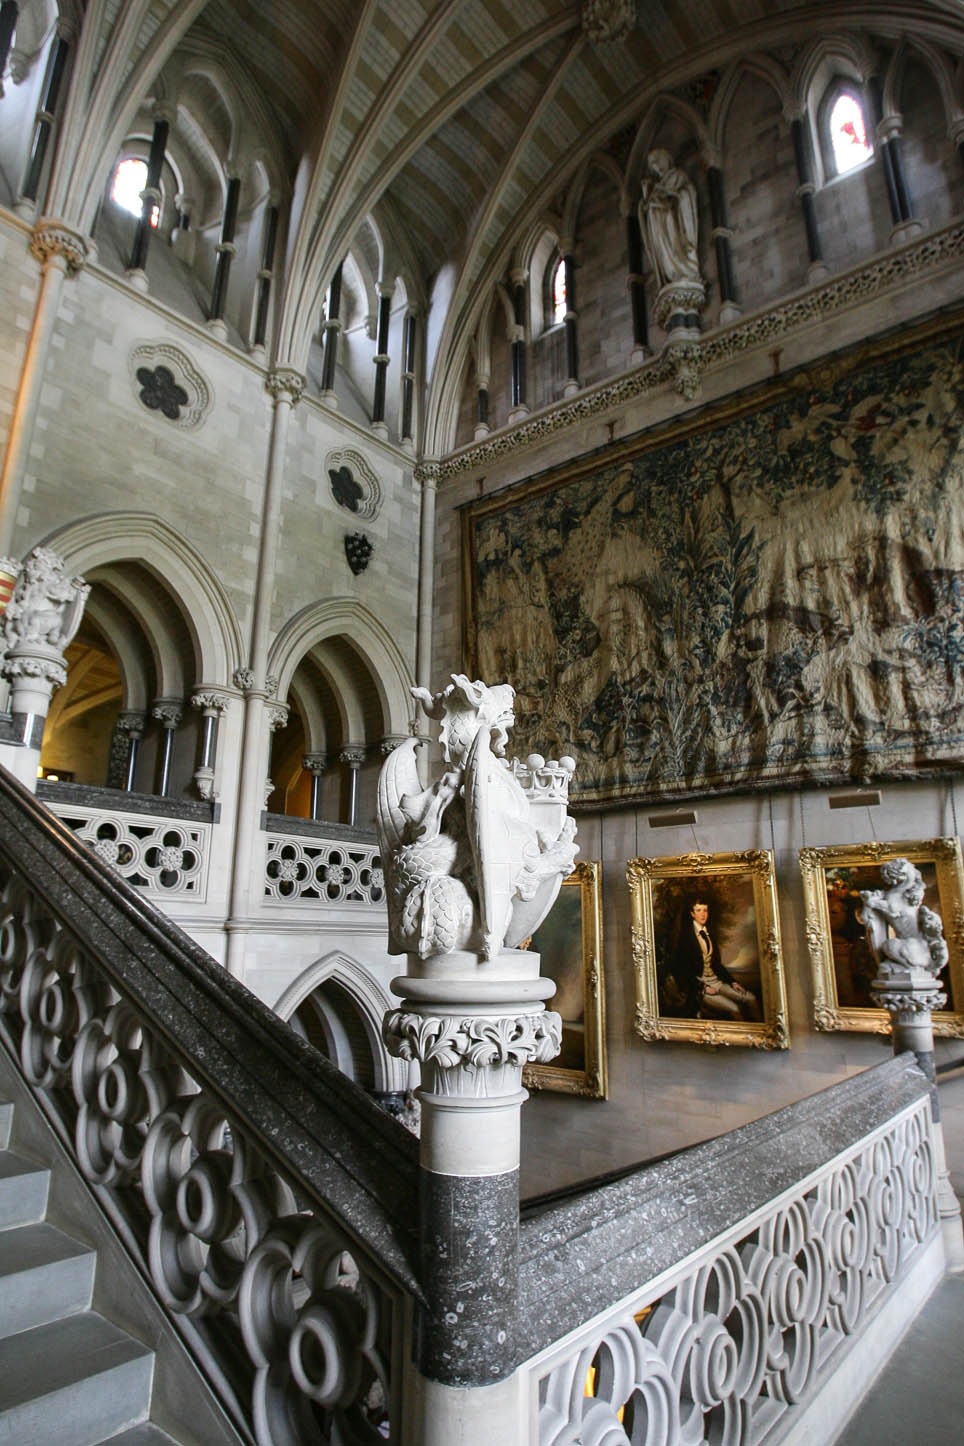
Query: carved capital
[168, 712]
[209, 700]
[132, 723]
[353, 755]
[427, 473]
[244, 680]
[277, 715]
[30, 666]
[53, 238]
[476, 1043]
[271, 681]
[391, 741]
[914, 1001]
[314, 763]
[285, 382]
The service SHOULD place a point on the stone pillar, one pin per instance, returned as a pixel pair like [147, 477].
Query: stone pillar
[517, 342]
[61, 253]
[332, 333]
[314, 763]
[818, 269]
[40, 620]
[150, 197]
[124, 747]
[381, 358]
[169, 712]
[408, 381]
[226, 250]
[353, 756]
[265, 276]
[276, 716]
[888, 131]
[637, 290]
[721, 236]
[482, 406]
[285, 387]
[211, 705]
[43, 126]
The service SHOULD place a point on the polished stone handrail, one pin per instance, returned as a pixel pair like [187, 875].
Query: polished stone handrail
[273, 1205]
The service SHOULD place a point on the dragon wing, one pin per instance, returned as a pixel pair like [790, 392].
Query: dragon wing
[398, 777]
[488, 842]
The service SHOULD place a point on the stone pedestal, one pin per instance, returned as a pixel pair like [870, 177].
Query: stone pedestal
[678, 308]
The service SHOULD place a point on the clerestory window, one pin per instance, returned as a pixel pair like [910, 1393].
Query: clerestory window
[130, 179]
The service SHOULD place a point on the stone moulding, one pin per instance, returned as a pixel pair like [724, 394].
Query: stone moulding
[200, 394]
[684, 370]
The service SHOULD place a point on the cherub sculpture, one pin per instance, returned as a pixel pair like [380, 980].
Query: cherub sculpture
[904, 934]
[475, 861]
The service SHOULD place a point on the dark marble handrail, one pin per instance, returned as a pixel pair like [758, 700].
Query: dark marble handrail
[121, 800]
[581, 1255]
[322, 1131]
[318, 828]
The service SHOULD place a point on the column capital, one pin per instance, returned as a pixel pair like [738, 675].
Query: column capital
[427, 473]
[890, 128]
[277, 714]
[445, 1044]
[391, 741]
[211, 701]
[169, 712]
[353, 754]
[244, 680]
[51, 238]
[132, 722]
[285, 382]
[315, 763]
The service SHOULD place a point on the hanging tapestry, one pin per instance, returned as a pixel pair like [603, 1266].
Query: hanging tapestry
[773, 598]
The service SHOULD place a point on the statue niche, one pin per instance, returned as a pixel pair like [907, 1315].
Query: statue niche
[669, 222]
[475, 861]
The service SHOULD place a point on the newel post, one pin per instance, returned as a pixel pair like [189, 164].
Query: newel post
[472, 1014]
[908, 943]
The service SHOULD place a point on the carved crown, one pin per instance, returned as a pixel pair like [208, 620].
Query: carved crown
[542, 781]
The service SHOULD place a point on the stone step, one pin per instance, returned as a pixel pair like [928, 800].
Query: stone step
[74, 1382]
[44, 1275]
[146, 1434]
[6, 1120]
[23, 1190]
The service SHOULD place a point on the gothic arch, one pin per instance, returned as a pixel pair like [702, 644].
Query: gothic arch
[113, 537]
[370, 999]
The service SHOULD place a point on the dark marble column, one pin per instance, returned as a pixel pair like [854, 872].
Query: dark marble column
[722, 235]
[517, 341]
[332, 332]
[381, 357]
[482, 407]
[637, 288]
[219, 291]
[817, 269]
[888, 132]
[56, 70]
[265, 276]
[408, 378]
[571, 319]
[150, 196]
[9, 12]
[314, 763]
[169, 714]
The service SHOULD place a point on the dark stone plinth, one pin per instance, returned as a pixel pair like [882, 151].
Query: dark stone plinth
[317, 828]
[86, 795]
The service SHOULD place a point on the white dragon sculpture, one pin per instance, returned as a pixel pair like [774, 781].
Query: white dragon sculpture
[475, 861]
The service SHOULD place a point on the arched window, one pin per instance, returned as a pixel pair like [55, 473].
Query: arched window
[844, 137]
[559, 293]
[130, 178]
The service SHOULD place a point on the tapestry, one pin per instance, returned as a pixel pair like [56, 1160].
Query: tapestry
[772, 599]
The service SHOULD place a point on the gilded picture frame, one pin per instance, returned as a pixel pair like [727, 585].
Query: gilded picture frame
[729, 991]
[570, 942]
[840, 960]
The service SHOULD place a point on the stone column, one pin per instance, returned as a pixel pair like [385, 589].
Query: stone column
[61, 253]
[637, 290]
[43, 126]
[276, 716]
[332, 333]
[150, 197]
[40, 620]
[381, 358]
[226, 250]
[888, 131]
[818, 269]
[408, 381]
[124, 747]
[314, 763]
[482, 406]
[721, 236]
[285, 387]
[517, 342]
[169, 712]
[352, 756]
[265, 276]
[211, 705]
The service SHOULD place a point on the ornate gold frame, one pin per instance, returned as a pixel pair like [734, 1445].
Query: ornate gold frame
[770, 1033]
[592, 1082]
[945, 854]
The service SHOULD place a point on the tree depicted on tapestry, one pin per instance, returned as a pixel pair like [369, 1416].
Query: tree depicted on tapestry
[780, 597]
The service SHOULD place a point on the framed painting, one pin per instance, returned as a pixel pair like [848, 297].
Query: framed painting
[706, 949]
[841, 960]
[570, 941]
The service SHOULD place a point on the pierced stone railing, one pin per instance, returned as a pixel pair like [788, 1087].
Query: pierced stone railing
[164, 855]
[323, 871]
[270, 1202]
[730, 1337]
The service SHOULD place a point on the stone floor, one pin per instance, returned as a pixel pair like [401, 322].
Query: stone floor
[918, 1399]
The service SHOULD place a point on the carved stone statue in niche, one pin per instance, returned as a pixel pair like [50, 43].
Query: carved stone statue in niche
[475, 861]
[904, 934]
[669, 221]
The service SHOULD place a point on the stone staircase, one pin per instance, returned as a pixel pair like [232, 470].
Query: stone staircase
[67, 1374]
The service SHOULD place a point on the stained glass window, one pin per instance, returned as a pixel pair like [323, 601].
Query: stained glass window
[130, 178]
[559, 293]
[848, 133]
